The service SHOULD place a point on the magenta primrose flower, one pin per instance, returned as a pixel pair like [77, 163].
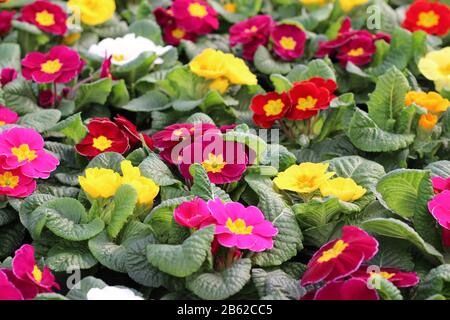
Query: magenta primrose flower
[439, 207]
[352, 289]
[7, 116]
[7, 289]
[241, 227]
[7, 75]
[288, 41]
[440, 184]
[14, 184]
[193, 214]
[399, 278]
[24, 148]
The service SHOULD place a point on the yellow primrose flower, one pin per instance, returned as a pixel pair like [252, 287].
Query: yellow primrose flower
[230, 7]
[209, 64]
[306, 177]
[428, 121]
[146, 189]
[311, 2]
[348, 5]
[100, 182]
[220, 84]
[93, 12]
[345, 189]
[432, 101]
[71, 38]
[238, 72]
[435, 66]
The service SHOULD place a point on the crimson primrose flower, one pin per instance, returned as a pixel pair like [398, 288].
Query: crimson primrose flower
[429, 16]
[270, 107]
[288, 41]
[172, 32]
[6, 18]
[193, 214]
[7, 75]
[103, 136]
[45, 15]
[195, 16]
[396, 276]
[59, 65]
[7, 116]
[8, 290]
[351, 289]
[341, 257]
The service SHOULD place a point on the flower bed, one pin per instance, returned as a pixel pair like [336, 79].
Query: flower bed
[224, 149]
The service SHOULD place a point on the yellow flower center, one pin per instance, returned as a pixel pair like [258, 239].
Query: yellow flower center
[288, 43]
[334, 252]
[23, 153]
[178, 33]
[356, 52]
[384, 274]
[45, 18]
[102, 143]
[305, 104]
[118, 57]
[230, 7]
[8, 180]
[428, 19]
[214, 163]
[273, 107]
[51, 66]
[306, 181]
[37, 274]
[238, 226]
[2, 123]
[178, 132]
[252, 29]
[197, 10]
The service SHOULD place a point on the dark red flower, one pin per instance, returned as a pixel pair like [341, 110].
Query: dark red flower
[163, 16]
[398, 278]
[446, 237]
[195, 16]
[45, 15]
[148, 141]
[105, 71]
[7, 75]
[173, 34]
[46, 98]
[432, 17]
[288, 41]
[359, 51]
[6, 18]
[130, 130]
[103, 136]
[352, 289]
[268, 108]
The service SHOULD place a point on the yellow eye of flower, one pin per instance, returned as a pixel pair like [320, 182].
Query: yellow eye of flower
[230, 7]
[334, 252]
[101, 143]
[197, 10]
[45, 18]
[428, 19]
[288, 43]
[356, 52]
[238, 226]
[252, 29]
[273, 107]
[8, 180]
[214, 163]
[2, 123]
[178, 33]
[305, 104]
[37, 274]
[23, 153]
[51, 66]
[118, 57]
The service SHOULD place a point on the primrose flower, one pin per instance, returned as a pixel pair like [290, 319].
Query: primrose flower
[351, 289]
[432, 101]
[6, 18]
[193, 214]
[397, 277]
[172, 33]
[344, 189]
[439, 207]
[237, 72]
[241, 227]
[429, 16]
[112, 293]
[348, 5]
[7, 289]
[130, 130]
[268, 108]
[59, 65]
[341, 257]
[93, 13]
[7, 116]
[195, 16]
[103, 136]
[14, 184]
[45, 15]
[7, 75]
[435, 66]
[288, 41]
[440, 184]
[126, 49]
[428, 121]
[100, 182]
[146, 188]
[306, 177]
[24, 148]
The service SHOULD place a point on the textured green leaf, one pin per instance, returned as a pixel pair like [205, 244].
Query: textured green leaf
[41, 120]
[154, 168]
[436, 282]
[315, 68]
[68, 255]
[386, 289]
[19, 96]
[265, 63]
[151, 101]
[72, 128]
[79, 292]
[107, 160]
[94, 92]
[276, 280]
[11, 237]
[10, 56]
[124, 203]
[201, 187]
[440, 168]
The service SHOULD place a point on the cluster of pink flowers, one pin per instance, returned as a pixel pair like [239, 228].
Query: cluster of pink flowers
[339, 264]
[236, 226]
[356, 46]
[288, 40]
[23, 159]
[186, 20]
[185, 144]
[25, 280]
[439, 206]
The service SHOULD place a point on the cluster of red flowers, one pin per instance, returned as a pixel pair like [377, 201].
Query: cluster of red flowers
[288, 40]
[339, 264]
[186, 19]
[303, 101]
[356, 46]
[105, 135]
[431, 17]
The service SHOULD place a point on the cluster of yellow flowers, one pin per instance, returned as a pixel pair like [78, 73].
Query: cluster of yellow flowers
[93, 12]
[103, 183]
[223, 68]
[308, 177]
[435, 66]
[433, 102]
[346, 5]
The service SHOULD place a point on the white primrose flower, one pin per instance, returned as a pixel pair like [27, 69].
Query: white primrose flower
[127, 48]
[112, 293]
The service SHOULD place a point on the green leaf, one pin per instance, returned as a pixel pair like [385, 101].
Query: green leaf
[315, 68]
[202, 187]
[267, 282]
[124, 203]
[388, 100]
[154, 168]
[147, 29]
[68, 255]
[41, 120]
[440, 168]
[94, 92]
[386, 289]
[152, 101]
[10, 56]
[436, 282]
[107, 160]
[242, 135]
[266, 64]
[278, 156]
[187, 85]
[182, 260]
[79, 292]
[11, 238]
[367, 136]
[19, 96]
[280, 83]
[50, 296]
[219, 286]
[72, 127]
[119, 94]
[393, 253]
